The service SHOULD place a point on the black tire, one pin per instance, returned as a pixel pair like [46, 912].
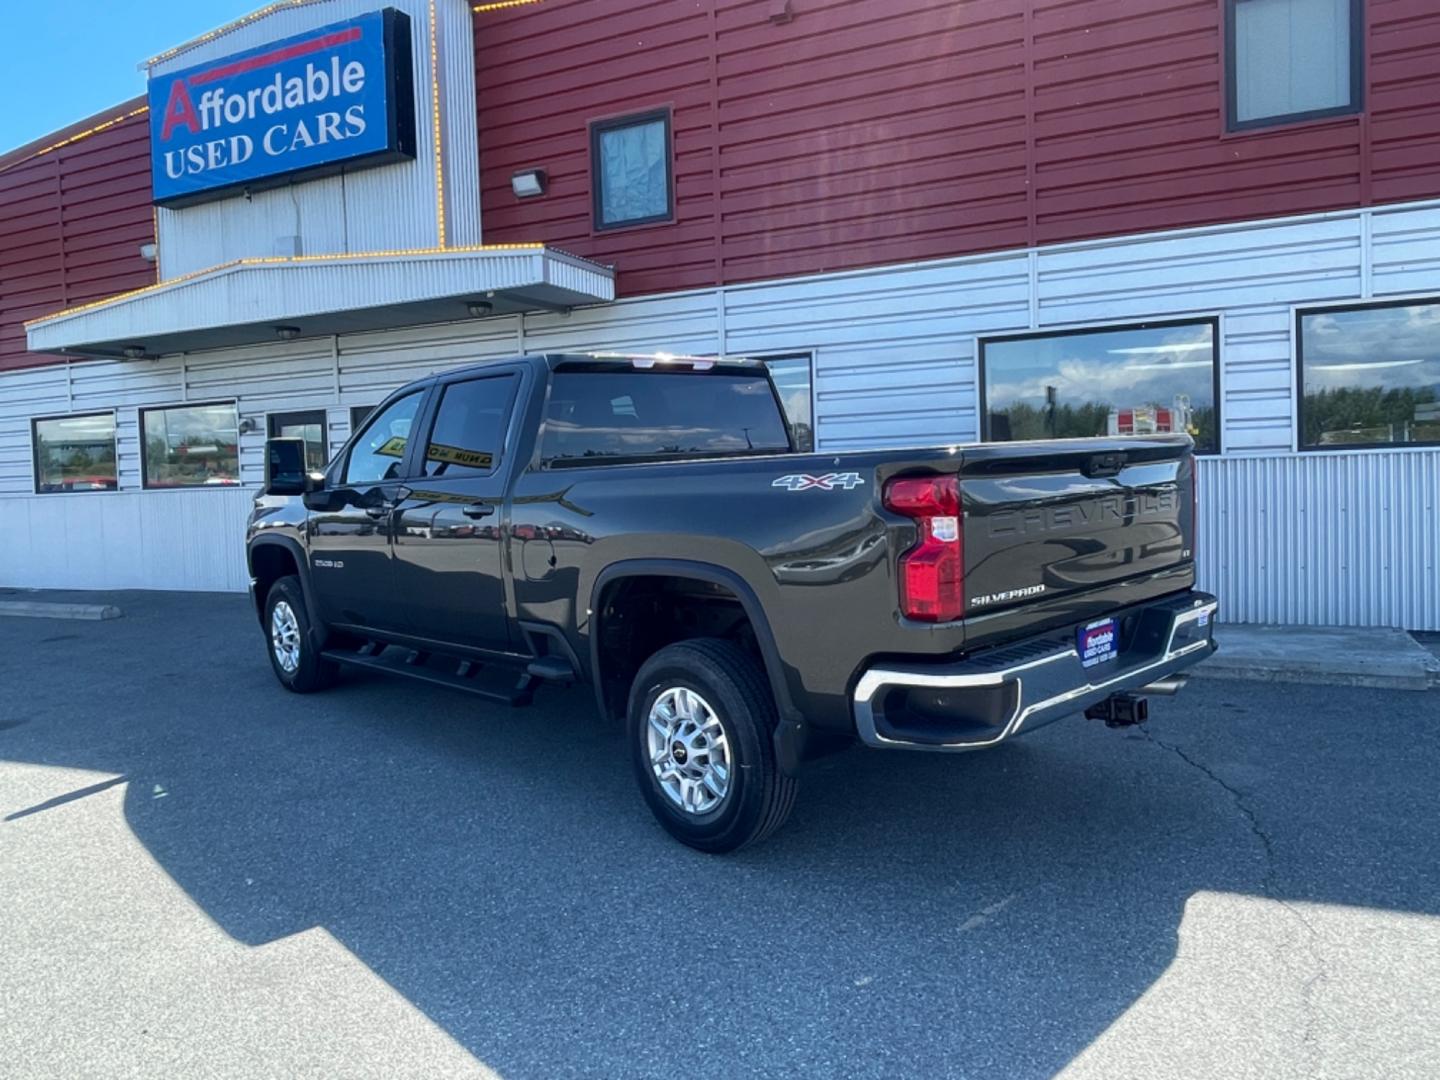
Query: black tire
[311, 671]
[759, 797]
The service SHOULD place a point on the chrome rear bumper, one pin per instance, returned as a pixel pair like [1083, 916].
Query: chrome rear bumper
[1018, 687]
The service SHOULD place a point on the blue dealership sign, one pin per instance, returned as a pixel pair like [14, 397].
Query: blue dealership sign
[339, 97]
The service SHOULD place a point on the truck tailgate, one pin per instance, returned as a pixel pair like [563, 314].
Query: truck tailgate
[1044, 521]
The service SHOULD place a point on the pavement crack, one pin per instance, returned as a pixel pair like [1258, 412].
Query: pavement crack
[1236, 797]
[1318, 972]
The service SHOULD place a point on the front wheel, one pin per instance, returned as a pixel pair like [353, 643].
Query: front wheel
[701, 725]
[297, 664]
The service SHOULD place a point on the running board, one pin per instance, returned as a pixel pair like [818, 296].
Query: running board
[426, 667]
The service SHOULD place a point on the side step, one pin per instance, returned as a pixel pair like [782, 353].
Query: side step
[438, 670]
[551, 669]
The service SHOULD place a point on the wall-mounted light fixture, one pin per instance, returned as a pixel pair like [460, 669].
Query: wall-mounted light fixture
[134, 352]
[247, 425]
[479, 308]
[528, 183]
[149, 252]
[287, 333]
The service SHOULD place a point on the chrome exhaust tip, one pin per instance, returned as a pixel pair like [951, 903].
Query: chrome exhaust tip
[1166, 687]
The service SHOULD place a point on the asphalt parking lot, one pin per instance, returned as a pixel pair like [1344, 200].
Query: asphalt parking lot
[201, 875]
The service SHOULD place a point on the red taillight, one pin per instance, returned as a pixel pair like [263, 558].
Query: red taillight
[932, 573]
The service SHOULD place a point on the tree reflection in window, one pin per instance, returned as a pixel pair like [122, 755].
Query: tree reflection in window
[1370, 375]
[1154, 378]
[75, 453]
[191, 446]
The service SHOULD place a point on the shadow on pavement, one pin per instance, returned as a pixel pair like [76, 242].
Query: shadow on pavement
[985, 914]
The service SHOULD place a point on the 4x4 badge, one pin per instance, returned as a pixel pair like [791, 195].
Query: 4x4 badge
[827, 482]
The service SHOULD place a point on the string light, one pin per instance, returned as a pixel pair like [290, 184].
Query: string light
[228, 28]
[105, 126]
[272, 260]
[499, 5]
[435, 132]
[155, 221]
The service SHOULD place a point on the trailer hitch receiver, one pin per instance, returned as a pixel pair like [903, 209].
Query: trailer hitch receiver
[1120, 710]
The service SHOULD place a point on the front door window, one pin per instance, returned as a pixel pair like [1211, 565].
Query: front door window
[379, 454]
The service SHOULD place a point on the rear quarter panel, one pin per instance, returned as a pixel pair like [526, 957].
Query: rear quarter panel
[818, 556]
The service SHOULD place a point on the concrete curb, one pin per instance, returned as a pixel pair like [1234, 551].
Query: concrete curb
[38, 609]
[1378, 658]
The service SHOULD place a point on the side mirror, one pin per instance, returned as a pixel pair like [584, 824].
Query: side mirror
[285, 471]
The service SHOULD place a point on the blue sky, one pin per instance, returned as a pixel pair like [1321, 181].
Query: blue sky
[68, 59]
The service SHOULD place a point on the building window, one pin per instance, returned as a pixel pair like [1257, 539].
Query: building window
[310, 425]
[1290, 60]
[191, 446]
[792, 377]
[630, 170]
[358, 415]
[75, 453]
[469, 427]
[1147, 379]
[1369, 375]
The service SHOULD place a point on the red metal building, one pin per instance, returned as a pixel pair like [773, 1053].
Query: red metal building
[819, 136]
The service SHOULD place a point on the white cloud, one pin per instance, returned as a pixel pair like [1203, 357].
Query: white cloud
[1100, 381]
[1364, 365]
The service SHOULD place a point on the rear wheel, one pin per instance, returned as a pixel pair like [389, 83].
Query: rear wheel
[296, 662]
[701, 726]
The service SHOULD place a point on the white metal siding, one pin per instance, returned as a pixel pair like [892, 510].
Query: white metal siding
[1251, 274]
[1405, 246]
[895, 349]
[183, 540]
[25, 394]
[1324, 539]
[1301, 538]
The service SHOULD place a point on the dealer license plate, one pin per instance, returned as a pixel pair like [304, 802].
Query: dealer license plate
[1098, 642]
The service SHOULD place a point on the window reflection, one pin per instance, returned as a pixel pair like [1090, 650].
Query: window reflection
[75, 453]
[469, 427]
[600, 414]
[379, 453]
[791, 375]
[1142, 380]
[1370, 375]
[191, 446]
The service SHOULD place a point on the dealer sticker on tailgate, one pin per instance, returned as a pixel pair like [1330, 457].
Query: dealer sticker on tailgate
[1098, 642]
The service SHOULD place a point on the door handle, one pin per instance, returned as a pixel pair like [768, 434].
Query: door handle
[479, 510]
[378, 512]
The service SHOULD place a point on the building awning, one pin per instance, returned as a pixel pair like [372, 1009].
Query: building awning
[250, 301]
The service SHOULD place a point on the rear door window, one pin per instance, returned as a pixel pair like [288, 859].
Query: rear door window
[469, 427]
[595, 415]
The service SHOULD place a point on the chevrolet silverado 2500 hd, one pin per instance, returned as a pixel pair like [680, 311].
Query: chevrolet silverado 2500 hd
[646, 526]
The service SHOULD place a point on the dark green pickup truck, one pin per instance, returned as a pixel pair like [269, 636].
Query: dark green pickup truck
[645, 526]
